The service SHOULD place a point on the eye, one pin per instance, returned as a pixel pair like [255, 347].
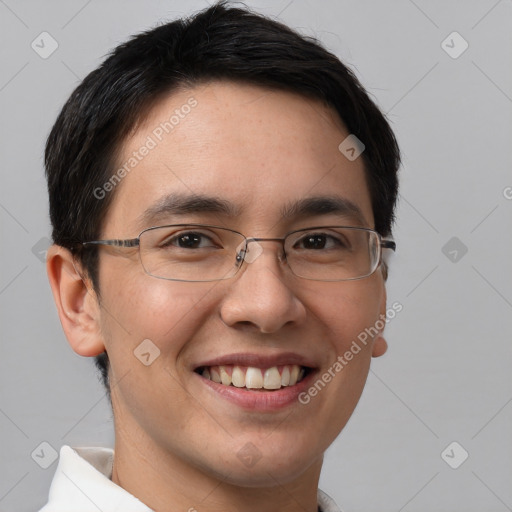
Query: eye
[188, 240]
[320, 241]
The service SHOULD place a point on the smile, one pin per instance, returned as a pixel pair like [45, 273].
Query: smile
[257, 383]
[254, 378]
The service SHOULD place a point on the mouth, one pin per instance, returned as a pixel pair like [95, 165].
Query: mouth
[255, 382]
[253, 378]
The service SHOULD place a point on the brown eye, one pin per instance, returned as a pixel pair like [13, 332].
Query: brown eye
[188, 240]
[319, 241]
[314, 242]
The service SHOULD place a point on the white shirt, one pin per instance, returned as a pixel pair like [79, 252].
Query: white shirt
[82, 483]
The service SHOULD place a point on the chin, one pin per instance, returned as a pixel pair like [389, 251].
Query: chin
[270, 465]
[268, 474]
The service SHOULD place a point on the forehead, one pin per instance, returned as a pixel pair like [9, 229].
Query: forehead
[256, 150]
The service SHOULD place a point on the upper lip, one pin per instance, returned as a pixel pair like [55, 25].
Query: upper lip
[258, 360]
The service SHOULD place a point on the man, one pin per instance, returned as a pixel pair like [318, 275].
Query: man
[221, 193]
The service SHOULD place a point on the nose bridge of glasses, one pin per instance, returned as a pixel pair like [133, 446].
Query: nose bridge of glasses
[249, 253]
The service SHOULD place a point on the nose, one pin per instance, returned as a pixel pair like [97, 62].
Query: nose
[260, 297]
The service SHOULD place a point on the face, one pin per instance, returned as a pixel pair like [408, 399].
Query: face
[260, 152]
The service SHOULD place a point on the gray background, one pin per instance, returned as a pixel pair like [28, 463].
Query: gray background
[446, 376]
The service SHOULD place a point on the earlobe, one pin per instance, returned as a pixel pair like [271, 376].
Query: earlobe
[380, 346]
[76, 302]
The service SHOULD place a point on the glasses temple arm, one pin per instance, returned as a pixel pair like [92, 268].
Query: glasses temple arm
[133, 242]
[388, 244]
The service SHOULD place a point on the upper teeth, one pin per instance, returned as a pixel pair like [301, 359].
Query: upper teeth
[255, 378]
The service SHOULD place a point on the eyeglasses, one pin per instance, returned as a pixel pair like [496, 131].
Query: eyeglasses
[202, 253]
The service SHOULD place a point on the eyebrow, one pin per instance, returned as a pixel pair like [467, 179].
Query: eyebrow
[183, 204]
[324, 205]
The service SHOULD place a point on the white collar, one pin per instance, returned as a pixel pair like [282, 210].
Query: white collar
[82, 483]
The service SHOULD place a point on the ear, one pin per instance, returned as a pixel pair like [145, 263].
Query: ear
[77, 303]
[380, 345]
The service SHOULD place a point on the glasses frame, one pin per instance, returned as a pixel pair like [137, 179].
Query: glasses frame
[135, 242]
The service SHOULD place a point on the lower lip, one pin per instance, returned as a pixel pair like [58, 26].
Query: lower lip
[260, 400]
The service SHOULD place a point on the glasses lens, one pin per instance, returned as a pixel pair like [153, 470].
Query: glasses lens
[190, 252]
[332, 253]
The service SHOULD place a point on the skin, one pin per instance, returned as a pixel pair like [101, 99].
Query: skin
[176, 441]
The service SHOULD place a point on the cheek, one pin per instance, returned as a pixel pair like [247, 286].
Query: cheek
[349, 309]
[349, 313]
[139, 307]
[147, 324]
